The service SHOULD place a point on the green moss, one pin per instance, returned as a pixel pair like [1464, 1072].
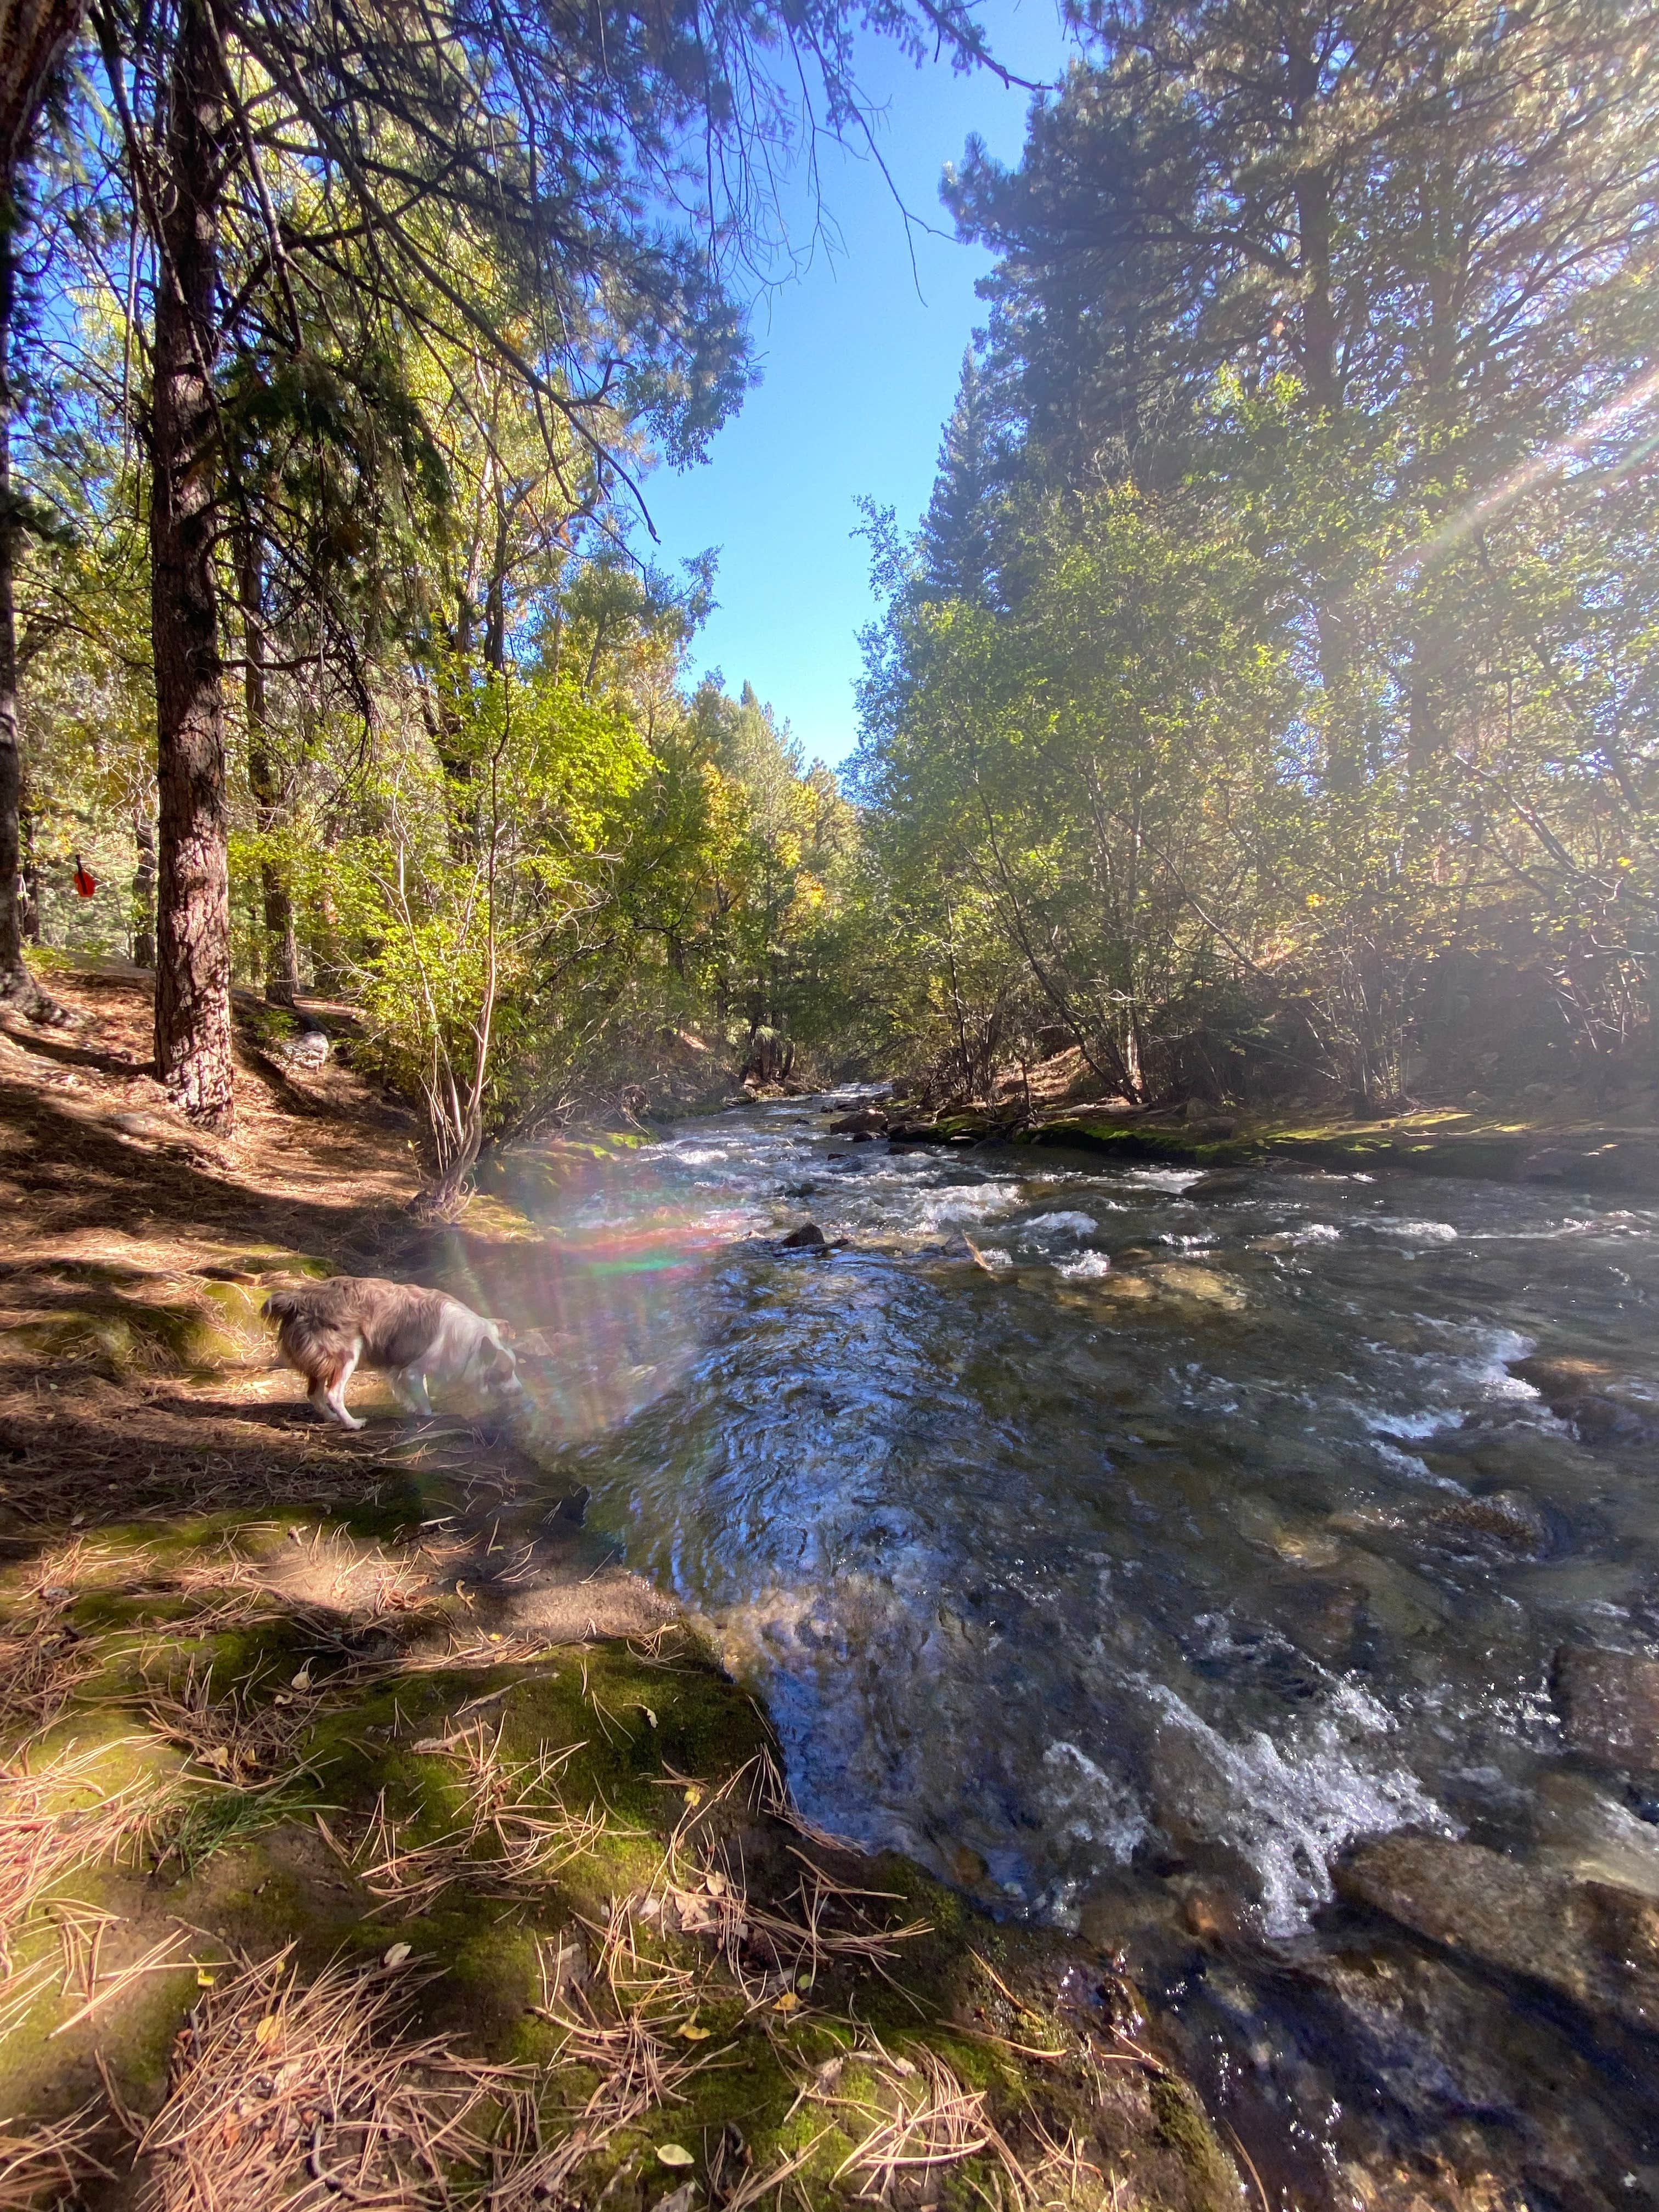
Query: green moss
[1182, 2127]
[254, 1867]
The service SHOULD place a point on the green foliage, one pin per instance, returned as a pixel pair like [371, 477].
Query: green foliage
[1266, 703]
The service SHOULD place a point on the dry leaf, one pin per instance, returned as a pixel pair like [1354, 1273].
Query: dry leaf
[787, 2003]
[678, 2200]
[266, 2031]
[397, 1955]
[302, 1679]
[675, 2155]
[717, 1884]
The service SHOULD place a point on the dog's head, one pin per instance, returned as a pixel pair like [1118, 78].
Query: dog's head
[493, 1363]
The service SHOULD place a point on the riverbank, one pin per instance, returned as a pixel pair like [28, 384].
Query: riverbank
[366, 1835]
[1540, 1147]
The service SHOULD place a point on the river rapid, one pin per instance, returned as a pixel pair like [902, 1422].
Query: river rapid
[1138, 1572]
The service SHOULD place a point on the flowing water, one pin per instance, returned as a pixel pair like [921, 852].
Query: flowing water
[1118, 1577]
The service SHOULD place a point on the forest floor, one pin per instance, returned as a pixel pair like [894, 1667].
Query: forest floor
[366, 1837]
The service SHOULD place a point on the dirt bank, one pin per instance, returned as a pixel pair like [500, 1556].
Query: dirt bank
[366, 1836]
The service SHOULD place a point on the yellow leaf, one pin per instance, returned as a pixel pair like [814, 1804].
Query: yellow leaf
[675, 2155]
[267, 2030]
[204, 1980]
[787, 2003]
[692, 2033]
[693, 1795]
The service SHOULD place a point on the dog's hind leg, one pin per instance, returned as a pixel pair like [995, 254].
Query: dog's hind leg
[333, 1398]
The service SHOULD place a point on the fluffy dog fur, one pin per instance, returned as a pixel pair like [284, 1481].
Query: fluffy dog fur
[326, 1330]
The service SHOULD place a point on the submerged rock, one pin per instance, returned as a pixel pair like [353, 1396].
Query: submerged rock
[1506, 1519]
[1603, 1406]
[1220, 1185]
[1203, 1286]
[1609, 1706]
[1590, 1941]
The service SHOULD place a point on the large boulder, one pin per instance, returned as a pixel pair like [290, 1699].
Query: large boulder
[862, 1121]
[1589, 1941]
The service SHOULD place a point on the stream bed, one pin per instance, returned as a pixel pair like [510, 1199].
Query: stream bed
[1182, 1563]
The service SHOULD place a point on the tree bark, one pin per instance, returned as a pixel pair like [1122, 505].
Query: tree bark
[281, 946]
[192, 967]
[34, 34]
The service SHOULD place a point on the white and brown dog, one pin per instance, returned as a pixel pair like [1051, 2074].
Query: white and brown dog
[416, 1336]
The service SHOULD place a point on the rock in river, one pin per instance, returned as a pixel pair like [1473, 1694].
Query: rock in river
[1609, 1703]
[1506, 1519]
[1219, 1184]
[809, 1237]
[1604, 1406]
[864, 1121]
[1588, 1940]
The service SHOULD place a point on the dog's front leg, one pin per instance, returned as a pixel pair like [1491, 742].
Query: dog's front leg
[329, 1398]
[409, 1384]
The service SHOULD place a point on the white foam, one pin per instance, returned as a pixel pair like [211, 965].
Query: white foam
[1057, 1224]
[1418, 1232]
[948, 1209]
[1087, 1266]
[1094, 1807]
[1289, 1808]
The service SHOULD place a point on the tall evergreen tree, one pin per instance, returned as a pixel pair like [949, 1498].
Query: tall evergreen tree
[34, 37]
[958, 536]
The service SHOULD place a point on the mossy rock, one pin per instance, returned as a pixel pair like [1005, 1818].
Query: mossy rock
[121, 1336]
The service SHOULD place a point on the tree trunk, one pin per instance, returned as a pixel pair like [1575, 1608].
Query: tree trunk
[192, 968]
[35, 35]
[281, 946]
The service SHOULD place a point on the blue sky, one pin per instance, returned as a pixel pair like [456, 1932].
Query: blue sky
[860, 359]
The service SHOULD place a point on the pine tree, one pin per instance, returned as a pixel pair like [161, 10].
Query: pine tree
[958, 541]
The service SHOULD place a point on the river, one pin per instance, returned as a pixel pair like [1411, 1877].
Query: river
[1135, 1572]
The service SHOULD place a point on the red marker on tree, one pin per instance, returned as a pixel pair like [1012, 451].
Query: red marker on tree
[85, 882]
